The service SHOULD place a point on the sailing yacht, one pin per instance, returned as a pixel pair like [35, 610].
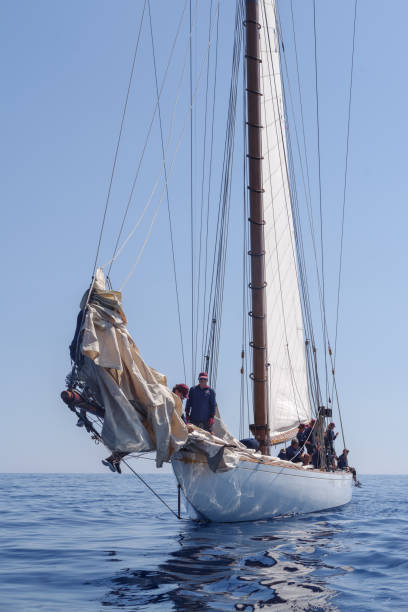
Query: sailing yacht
[220, 478]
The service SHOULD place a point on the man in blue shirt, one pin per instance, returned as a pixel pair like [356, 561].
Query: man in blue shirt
[201, 404]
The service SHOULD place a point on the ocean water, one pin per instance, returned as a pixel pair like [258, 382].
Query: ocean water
[95, 542]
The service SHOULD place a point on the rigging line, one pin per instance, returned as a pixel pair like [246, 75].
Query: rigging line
[345, 182]
[306, 189]
[337, 397]
[119, 139]
[202, 194]
[150, 488]
[115, 251]
[170, 170]
[218, 274]
[209, 187]
[301, 104]
[218, 243]
[299, 239]
[149, 200]
[167, 193]
[191, 207]
[320, 191]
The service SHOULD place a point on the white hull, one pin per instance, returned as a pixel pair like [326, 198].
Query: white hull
[254, 491]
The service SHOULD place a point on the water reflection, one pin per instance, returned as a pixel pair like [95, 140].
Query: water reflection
[279, 565]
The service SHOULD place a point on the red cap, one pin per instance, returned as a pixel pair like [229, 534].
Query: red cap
[203, 376]
[184, 390]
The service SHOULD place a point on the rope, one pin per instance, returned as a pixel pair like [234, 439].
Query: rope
[320, 191]
[152, 490]
[119, 139]
[345, 179]
[158, 179]
[115, 251]
[167, 194]
[191, 208]
[202, 200]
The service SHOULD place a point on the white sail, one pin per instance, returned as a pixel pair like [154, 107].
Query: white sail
[289, 401]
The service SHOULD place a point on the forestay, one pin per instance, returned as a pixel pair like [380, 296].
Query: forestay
[289, 401]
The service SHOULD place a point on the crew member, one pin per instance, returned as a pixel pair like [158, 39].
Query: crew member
[310, 437]
[342, 461]
[301, 436]
[330, 437]
[294, 454]
[201, 405]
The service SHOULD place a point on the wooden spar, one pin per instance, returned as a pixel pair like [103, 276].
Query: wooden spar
[257, 241]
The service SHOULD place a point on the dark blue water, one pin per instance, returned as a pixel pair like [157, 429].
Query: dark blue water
[91, 542]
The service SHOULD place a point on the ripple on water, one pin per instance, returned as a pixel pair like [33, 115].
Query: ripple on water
[87, 542]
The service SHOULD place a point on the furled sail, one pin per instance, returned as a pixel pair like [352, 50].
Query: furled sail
[137, 409]
[141, 413]
[289, 401]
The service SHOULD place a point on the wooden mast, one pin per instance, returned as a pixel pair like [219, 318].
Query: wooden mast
[257, 285]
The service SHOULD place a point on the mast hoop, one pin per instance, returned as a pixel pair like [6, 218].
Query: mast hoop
[254, 254]
[263, 222]
[256, 157]
[255, 316]
[251, 286]
[247, 21]
[254, 428]
[254, 91]
[252, 57]
[255, 189]
[255, 346]
[253, 377]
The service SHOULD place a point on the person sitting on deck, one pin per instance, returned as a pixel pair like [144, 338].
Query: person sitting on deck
[251, 443]
[201, 404]
[294, 454]
[342, 461]
[342, 464]
[282, 454]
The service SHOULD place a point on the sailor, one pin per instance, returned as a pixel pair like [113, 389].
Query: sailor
[294, 454]
[181, 390]
[201, 404]
[282, 454]
[301, 436]
[310, 437]
[342, 461]
[342, 464]
[330, 437]
[316, 461]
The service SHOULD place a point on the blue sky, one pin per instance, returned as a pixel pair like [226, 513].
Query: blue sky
[64, 72]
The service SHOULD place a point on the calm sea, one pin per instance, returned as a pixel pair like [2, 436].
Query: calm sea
[91, 542]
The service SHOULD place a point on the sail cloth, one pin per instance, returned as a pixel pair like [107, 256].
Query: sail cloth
[141, 413]
[289, 402]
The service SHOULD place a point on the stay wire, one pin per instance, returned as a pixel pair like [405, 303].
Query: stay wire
[167, 192]
[209, 189]
[115, 250]
[119, 139]
[191, 206]
[202, 195]
[170, 170]
[345, 180]
[159, 497]
[320, 194]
